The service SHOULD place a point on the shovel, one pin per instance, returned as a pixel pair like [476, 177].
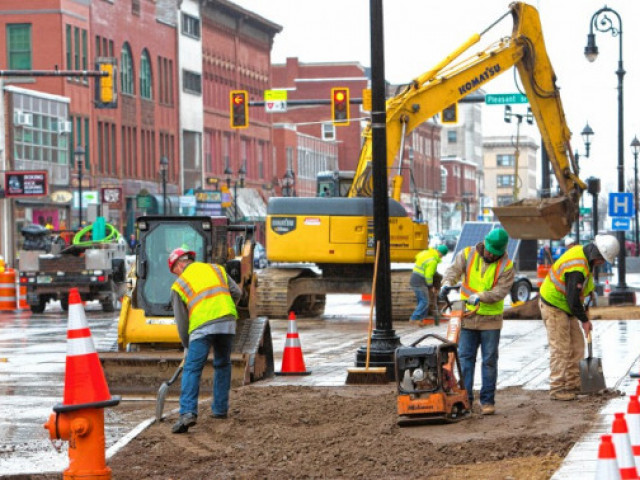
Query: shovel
[591, 377]
[164, 388]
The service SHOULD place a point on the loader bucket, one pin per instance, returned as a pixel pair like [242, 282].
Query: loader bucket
[533, 218]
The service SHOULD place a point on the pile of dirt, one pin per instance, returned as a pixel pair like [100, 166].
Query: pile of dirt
[351, 432]
[629, 312]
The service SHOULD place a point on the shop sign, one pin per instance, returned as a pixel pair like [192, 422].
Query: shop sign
[61, 196]
[111, 195]
[144, 201]
[209, 203]
[25, 184]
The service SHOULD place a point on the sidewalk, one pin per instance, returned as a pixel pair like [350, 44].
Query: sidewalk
[524, 362]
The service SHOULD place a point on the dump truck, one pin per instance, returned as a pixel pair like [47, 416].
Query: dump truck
[336, 234]
[148, 347]
[49, 268]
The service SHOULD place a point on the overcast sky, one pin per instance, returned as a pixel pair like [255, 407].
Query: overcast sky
[420, 33]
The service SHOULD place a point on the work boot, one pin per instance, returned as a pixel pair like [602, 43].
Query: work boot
[219, 416]
[185, 421]
[563, 396]
[488, 409]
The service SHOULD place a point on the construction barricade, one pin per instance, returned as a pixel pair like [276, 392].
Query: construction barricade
[13, 296]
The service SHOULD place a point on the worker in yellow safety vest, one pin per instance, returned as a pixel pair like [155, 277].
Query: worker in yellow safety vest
[562, 295]
[204, 301]
[421, 280]
[487, 277]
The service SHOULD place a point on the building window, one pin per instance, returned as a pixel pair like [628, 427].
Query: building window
[76, 48]
[84, 54]
[69, 50]
[504, 200]
[135, 7]
[506, 180]
[443, 179]
[328, 131]
[191, 82]
[190, 26]
[505, 160]
[452, 136]
[126, 70]
[145, 76]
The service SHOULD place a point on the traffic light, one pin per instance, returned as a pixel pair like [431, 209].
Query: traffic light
[106, 87]
[450, 114]
[239, 108]
[340, 106]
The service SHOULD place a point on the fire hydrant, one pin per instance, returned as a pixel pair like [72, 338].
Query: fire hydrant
[84, 430]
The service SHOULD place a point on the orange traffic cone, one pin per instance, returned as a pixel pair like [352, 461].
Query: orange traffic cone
[292, 361]
[365, 298]
[638, 388]
[607, 468]
[633, 422]
[607, 288]
[84, 380]
[79, 420]
[620, 434]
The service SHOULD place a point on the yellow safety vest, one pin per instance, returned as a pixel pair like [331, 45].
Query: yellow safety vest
[204, 289]
[554, 289]
[426, 264]
[475, 282]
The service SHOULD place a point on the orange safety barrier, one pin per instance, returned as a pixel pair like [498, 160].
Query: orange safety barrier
[8, 292]
[543, 271]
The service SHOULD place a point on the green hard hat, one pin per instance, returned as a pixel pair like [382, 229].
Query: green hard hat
[496, 241]
[442, 249]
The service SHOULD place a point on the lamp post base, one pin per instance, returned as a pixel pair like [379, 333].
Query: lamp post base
[383, 348]
[622, 297]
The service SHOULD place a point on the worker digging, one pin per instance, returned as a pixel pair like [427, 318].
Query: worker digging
[487, 276]
[562, 295]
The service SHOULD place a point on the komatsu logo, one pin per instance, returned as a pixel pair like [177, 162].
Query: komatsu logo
[477, 81]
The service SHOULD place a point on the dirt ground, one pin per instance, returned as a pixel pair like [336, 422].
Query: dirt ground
[351, 432]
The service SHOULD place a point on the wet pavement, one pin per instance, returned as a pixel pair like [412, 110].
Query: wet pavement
[33, 349]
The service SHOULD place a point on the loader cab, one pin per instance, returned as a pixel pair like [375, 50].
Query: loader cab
[158, 236]
[334, 183]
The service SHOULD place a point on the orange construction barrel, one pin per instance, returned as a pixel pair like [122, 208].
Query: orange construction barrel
[8, 292]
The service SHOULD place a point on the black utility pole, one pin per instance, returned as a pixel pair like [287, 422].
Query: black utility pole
[546, 173]
[384, 340]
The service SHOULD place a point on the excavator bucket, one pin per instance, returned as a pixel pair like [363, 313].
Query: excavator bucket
[534, 218]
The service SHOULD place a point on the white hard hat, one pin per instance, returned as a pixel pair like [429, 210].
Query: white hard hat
[608, 247]
[569, 241]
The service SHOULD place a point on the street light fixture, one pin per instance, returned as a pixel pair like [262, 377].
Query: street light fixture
[164, 165]
[241, 174]
[79, 157]
[586, 133]
[635, 148]
[602, 22]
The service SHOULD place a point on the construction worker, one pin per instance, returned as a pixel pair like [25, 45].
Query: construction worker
[562, 294]
[204, 301]
[487, 275]
[421, 280]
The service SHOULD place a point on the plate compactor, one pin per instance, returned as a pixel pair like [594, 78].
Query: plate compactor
[429, 378]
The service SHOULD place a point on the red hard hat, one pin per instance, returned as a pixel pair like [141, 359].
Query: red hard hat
[176, 254]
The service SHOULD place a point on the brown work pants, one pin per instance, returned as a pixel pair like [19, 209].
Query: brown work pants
[566, 348]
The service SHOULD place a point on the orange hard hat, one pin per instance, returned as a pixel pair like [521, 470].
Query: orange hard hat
[176, 254]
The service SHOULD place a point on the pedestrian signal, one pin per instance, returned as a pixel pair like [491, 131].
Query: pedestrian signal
[106, 87]
[340, 106]
[239, 108]
[450, 114]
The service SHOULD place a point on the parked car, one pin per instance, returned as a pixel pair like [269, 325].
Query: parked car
[450, 239]
[260, 256]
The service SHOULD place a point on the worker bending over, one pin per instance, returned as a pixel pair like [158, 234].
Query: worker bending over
[562, 295]
[204, 301]
[487, 275]
[421, 280]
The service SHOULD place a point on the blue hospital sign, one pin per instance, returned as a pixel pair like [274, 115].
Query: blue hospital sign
[621, 204]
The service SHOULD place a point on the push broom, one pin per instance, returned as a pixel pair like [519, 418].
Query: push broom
[369, 375]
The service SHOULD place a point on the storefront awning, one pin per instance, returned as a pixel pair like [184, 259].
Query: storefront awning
[251, 206]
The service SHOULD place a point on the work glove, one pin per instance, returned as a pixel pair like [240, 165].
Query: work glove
[444, 291]
[474, 299]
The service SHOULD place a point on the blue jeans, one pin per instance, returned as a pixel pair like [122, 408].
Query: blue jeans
[422, 296]
[468, 344]
[193, 365]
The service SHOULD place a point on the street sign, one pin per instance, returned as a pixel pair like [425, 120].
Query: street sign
[621, 204]
[275, 101]
[585, 210]
[621, 223]
[505, 98]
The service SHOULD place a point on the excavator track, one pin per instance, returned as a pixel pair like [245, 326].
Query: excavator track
[276, 297]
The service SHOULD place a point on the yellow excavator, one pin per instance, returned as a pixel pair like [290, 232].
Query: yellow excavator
[336, 234]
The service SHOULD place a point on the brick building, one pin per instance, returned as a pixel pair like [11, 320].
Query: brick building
[459, 201]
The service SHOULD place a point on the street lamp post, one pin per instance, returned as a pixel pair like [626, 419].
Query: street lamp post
[437, 195]
[164, 164]
[635, 148]
[79, 157]
[602, 22]
[241, 174]
[288, 182]
[586, 133]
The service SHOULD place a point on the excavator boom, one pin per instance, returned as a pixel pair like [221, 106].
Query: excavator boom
[448, 82]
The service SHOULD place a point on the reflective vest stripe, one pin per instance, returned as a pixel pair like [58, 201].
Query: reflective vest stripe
[186, 288]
